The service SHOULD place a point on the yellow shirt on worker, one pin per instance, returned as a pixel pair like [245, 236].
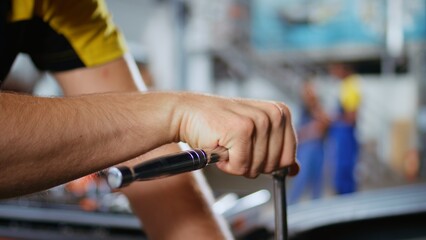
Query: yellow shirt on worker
[350, 93]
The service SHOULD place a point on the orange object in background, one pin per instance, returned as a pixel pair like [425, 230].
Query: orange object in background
[86, 190]
[79, 187]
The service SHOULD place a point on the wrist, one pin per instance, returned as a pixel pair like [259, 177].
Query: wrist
[165, 111]
[177, 115]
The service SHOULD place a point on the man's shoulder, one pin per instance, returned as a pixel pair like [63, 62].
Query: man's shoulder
[87, 25]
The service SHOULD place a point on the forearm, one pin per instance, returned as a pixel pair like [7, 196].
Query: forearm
[45, 142]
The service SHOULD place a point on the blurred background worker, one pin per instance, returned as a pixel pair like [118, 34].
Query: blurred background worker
[311, 132]
[344, 149]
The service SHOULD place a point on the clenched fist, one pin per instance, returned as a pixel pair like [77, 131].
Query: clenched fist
[259, 135]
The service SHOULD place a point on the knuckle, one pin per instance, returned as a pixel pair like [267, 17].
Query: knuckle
[281, 112]
[276, 113]
[246, 125]
[286, 111]
[263, 121]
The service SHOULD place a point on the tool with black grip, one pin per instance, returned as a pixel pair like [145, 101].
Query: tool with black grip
[164, 166]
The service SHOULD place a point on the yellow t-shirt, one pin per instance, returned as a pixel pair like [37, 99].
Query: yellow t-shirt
[85, 24]
[350, 94]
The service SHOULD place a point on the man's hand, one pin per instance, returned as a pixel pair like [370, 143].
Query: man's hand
[258, 134]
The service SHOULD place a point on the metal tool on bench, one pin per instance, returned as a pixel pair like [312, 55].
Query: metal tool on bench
[190, 160]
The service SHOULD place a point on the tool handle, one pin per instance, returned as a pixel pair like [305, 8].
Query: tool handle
[164, 166]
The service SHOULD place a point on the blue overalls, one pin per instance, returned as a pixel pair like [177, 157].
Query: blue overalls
[310, 154]
[344, 148]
